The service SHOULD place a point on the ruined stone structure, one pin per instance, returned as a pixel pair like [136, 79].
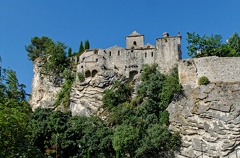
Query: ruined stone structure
[128, 61]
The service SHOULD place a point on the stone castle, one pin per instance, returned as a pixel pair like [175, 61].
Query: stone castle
[206, 116]
[128, 61]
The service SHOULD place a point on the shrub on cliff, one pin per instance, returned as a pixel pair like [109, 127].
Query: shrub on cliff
[203, 80]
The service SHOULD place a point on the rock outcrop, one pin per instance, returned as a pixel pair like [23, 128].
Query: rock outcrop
[86, 97]
[44, 87]
[208, 120]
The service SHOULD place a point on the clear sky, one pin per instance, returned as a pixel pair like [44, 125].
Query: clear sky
[106, 23]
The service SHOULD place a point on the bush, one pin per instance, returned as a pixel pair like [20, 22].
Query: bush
[81, 77]
[203, 80]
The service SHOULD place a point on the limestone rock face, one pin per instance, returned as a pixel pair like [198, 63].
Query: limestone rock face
[208, 120]
[86, 97]
[44, 87]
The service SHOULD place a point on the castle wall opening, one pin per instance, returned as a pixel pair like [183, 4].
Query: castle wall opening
[132, 74]
[87, 74]
[94, 72]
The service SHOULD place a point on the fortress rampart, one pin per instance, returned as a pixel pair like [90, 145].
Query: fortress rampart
[216, 69]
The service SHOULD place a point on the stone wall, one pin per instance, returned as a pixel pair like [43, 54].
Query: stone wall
[216, 69]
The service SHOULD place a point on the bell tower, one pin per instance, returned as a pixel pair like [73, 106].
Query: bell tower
[134, 40]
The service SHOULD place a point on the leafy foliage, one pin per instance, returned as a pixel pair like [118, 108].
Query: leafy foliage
[14, 118]
[234, 43]
[38, 47]
[134, 128]
[118, 94]
[59, 134]
[203, 80]
[212, 45]
[141, 124]
[52, 52]
[63, 97]
[81, 77]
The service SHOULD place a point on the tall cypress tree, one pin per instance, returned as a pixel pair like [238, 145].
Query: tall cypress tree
[86, 45]
[69, 51]
[81, 48]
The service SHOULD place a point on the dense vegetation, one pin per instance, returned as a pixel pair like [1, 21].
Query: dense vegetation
[15, 115]
[136, 127]
[141, 123]
[212, 45]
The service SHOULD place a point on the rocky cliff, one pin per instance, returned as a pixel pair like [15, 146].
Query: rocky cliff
[85, 97]
[44, 87]
[207, 116]
[208, 119]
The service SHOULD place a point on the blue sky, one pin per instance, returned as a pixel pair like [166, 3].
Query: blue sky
[106, 23]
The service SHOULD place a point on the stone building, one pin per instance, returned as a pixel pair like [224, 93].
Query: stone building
[128, 61]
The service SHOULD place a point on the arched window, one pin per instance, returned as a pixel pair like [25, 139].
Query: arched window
[118, 52]
[152, 54]
[110, 53]
[87, 74]
[134, 43]
[94, 72]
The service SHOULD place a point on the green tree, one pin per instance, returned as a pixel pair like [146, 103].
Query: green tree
[81, 48]
[86, 45]
[141, 124]
[206, 45]
[69, 51]
[38, 47]
[56, 61]
[15, 114]
[119, 93]
[158, 139]
[234, 42]
[125, 140]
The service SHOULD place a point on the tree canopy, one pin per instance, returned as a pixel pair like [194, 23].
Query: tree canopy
[15, 115]
[212, 45]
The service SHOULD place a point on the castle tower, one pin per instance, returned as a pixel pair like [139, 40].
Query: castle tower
[168, 51]
[134, 40]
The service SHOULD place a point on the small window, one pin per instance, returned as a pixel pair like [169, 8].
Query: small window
[152, 54]
[118, 52]
[134, 43]
[110, 53]
[145, 55]
[81, 66]
[97, 60]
